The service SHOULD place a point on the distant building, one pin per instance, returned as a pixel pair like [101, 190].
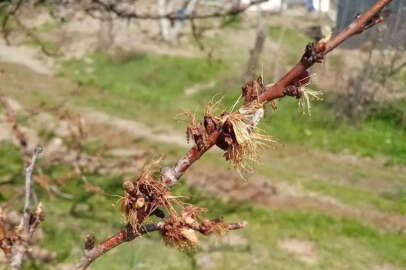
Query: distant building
[395, 34]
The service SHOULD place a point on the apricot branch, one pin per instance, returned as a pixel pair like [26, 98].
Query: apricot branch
[125, 13]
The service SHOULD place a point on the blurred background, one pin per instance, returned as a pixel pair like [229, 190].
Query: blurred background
[101, 85]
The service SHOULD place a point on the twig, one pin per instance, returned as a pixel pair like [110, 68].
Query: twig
[284, 87]
[28, 176]
[12, 12]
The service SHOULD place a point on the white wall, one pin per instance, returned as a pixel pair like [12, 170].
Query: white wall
[271, 5]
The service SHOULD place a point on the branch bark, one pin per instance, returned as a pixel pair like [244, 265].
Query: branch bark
[314, 53]
[19, 135]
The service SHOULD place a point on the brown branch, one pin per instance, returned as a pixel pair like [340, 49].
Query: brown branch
[92, 252]
[14, 243]
[284, 87]
[112, 7]
[22, 141]
[313, 54]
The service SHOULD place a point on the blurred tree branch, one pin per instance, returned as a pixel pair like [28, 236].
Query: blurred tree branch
[189, 13]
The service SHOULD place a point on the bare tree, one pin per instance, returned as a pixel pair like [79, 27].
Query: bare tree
[15, 242]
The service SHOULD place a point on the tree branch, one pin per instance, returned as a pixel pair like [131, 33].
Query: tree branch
[313, 54]
[286, 86]
[92, 252]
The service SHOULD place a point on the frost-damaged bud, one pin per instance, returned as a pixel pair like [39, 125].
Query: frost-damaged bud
[304, 94]
[190, 235]
[292, 91]
[253, 89]
[180, 230]
[90, 242]
[313, 54]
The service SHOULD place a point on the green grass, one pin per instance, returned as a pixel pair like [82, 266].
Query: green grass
[144, 86]
[370, 137]
[339, 243]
